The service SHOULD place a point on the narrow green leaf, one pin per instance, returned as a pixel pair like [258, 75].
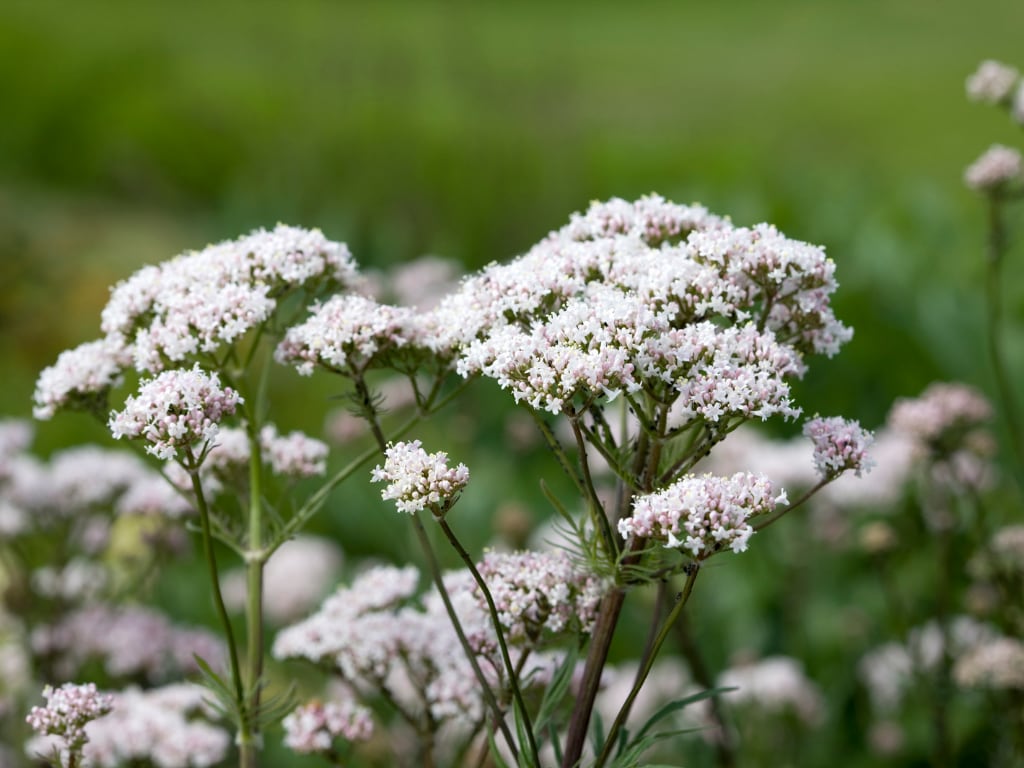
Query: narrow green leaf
[557, 689]
[675, 706]
[499, 761]
[525, 755]
[597, 732]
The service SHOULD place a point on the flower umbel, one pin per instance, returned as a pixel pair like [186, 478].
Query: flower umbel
[418, 480]
[703, 514]
[67, 711]
[174, 411]
[315, 726]
[839, 445]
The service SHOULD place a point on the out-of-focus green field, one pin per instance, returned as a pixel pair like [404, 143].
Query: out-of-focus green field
[130, 132]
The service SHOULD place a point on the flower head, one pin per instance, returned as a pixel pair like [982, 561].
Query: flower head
[536, 591]
[80, 378]
[992, 171]
[839, 446]
[346, 332]
[417, 479]
[175, 411]
[996, 663]
[646, 294]
[703, 514]
[992, 82]
[315, 726]
[202, 300]
[68, 709]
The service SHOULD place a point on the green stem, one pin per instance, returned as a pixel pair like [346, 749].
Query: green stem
[597, 512]
[645, 669]
[254, 561]
[996, 248]
[785, 510]
[218, 599]
[485, 688]
[496, 620]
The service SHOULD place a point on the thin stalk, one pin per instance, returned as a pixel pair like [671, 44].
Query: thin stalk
[785, 510]
[435, 573]
[645, 669]
[254, 561]
[604, 627]
[596, 510]
[600, 642]
[943, 747]
[222, 611]
[725, 748]
[496, 620]
[996, 248]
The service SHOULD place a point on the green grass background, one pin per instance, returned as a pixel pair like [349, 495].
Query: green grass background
[132, 131]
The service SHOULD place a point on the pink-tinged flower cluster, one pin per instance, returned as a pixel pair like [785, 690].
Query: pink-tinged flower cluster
[202, 300]
[776, 685]
[175, 411]
[314, 727]
[840, 446]
[68, 710]
[992, 82]
[997, 663]
[944, 413]
[703, 514]
[130, 642]
[646, 295]
[996, 168]
[346, 334]
[293, 455]
[164, 727]
[81, 378]
[377, 640]
[890, 670]
[536, 592]
[418, 480]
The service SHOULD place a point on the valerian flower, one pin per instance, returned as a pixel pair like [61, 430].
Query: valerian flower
[419, 480]
[703, 514]
[175, 412]
[68, 710]
[840, 445]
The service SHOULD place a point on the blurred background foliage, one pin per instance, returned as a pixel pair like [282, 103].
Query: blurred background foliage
[134, 131]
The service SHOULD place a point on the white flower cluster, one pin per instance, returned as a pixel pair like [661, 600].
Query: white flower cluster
[943, 412]
[293, 455]
[174, 411]
[997, 167]
[646, 294]
[68, 710]
[889, 670]
[539, 591]
[131, 642]
[80, 378]
[314, 727]
[997, 664]
[703, 514]
[992, 83]
[377, 641]
[345, 334]
[840, 445]
[776, 685]
[200, 301]
[158, 727]
[417, 479]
